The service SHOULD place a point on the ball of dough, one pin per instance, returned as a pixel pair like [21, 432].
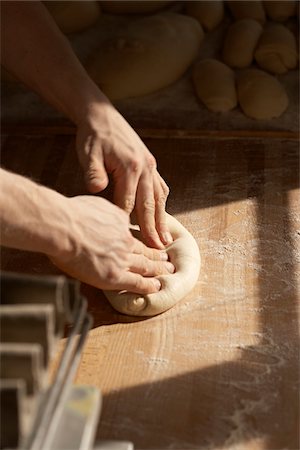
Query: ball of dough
[184, 254]
[260, 95]
[73, 16]
[277, 49]
[240, 42]
[247, 10]
[280, 11]
[133, 7]
[208, 13]
[215, 85]
[149, 54]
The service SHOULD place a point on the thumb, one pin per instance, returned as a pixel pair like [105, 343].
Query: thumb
[96, 177]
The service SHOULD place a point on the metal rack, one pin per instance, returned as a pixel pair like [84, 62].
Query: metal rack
[36, 413]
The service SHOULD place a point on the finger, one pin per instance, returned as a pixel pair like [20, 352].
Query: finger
[125, 185]
[161, 192]
[136, 283]
[149, 268]
[151, 253]
[145, 209]
[96, 177]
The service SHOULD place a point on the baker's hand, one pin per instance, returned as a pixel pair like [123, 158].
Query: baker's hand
[102, 251]
[107, 144]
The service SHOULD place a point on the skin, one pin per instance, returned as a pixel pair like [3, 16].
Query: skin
[87, 237]
[35, 51]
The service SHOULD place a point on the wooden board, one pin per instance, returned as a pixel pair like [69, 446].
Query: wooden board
[221, 368]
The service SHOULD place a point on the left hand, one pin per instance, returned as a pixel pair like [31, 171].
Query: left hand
[106, 144]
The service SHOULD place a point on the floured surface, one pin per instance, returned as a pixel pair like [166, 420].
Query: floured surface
[174, 107]
[220, 369]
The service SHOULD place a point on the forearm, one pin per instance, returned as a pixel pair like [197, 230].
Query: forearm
[35, 50]
[32, 217]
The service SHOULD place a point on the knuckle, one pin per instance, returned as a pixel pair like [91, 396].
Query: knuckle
[112, 274]
[151, 161]
[161, 201]
[129, 203]
[144, 267]
[133, 165]
[165, 189]
[149, 205]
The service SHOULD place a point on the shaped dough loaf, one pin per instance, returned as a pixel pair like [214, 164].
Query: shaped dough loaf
[133, 7]
[280, 11]
[260, 95]
[215, 85]
[240, 43]
[277, 49]
[247, 10]
[184, 254]
[208, 13]
[149, 54]
[73, 16]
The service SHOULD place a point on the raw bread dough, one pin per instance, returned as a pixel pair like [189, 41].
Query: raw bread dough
[184, 254]
[247, 10]
[260, 95]
[147, 55]
[133, 7]
[280, 11]
[73, 16]
[277, 49]
[240, 42]
[208, 13]
[215, 85]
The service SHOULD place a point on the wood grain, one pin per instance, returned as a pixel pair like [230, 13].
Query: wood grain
[221, 368]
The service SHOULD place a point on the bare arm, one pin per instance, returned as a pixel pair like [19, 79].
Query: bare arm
[34, 49]
[87, 237]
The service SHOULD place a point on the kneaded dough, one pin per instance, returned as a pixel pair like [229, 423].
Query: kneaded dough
[147, 55]
[73, 16]
[215, 85]
[277, 49]
[280, 11]
[240, 43]
[184, 254]
[133, 7]
[260, 95]
[247, 10]
[208, 13]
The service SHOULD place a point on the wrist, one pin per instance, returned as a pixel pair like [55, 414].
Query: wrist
[91, 105]
[33, 218]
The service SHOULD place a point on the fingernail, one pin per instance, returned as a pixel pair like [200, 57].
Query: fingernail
[167, 238]
[157, 284]
[170, 268]
[164, 256]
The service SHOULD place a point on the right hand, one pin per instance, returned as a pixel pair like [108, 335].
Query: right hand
[103, 252]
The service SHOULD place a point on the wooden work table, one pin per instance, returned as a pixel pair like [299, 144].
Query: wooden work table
[220, 369]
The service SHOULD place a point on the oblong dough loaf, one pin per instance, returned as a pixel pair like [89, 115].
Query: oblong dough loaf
[215, 85]
[280, 11]
[73, 16]
[184, 254]
[208, 13]
[133, 7]
[247, 10]
[149, 54]
[240, 42]
[277, 49]
[260, 95]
